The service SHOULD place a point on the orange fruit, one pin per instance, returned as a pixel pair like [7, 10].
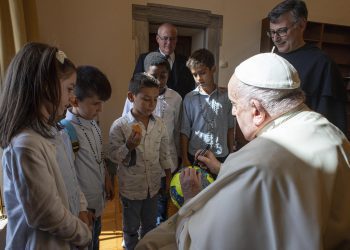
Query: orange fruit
[136, 128]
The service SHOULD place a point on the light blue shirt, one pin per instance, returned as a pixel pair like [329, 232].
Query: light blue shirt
[90, 173]
[206, 120]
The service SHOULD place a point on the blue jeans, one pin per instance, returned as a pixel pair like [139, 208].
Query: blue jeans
[95, 244]
[162, 213]
[139, 217]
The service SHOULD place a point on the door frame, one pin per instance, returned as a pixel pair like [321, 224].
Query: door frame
[143, 15]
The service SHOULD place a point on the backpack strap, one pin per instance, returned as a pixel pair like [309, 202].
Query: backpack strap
[70, 130]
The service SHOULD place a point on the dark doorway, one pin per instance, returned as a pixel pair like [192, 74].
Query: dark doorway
[183, 45]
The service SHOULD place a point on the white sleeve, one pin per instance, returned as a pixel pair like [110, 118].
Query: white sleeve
[117, 149]
[164, 157]
[83, 202]
[177, 125]
[127, 106]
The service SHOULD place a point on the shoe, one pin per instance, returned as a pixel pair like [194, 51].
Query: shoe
[123, 243]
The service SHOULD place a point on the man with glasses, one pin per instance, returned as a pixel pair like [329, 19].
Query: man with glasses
[180, 78]
[320, 78]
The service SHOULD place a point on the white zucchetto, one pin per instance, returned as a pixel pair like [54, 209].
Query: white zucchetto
[268, 70]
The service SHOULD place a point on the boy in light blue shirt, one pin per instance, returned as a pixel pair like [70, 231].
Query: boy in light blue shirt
[92, 89]
[206, 116]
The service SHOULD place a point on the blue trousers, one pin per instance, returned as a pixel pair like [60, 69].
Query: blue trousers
[95, 244]
[162, 204]
[139, 217]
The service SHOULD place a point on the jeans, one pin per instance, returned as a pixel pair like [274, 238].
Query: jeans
[95, 244]
[139, 217]
[162, 204]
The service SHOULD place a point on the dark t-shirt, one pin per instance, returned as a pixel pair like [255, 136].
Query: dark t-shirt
[322, 83]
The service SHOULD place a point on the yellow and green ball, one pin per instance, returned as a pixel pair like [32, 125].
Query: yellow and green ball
[175, 186]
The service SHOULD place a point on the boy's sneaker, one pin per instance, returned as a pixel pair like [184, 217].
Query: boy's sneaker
[123, 243]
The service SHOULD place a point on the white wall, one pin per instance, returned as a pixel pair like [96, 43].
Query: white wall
[100, 33]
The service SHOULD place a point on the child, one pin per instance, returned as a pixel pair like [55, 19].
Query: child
[37, 88]
[138, 143]
[206, 117]
[91, 90]
[168, 108]
[65, 160]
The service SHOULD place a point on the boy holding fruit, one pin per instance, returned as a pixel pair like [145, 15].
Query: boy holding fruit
[168, 108]
[138, 143]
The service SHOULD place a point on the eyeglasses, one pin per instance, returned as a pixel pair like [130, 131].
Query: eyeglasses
[281, 32]
[168, 38]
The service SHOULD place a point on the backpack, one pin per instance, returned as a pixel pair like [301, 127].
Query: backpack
[72, 133]
[70, 130]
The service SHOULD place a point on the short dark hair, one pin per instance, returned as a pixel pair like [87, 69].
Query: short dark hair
[155, 59]
[32, 80]
[296, 7]
[140, 81]
[201, 57]
[91, 81]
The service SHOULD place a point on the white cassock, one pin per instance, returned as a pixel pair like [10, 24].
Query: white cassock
[287, 189]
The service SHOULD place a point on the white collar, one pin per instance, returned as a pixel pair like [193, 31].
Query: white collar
[171, 56]
[282, 118]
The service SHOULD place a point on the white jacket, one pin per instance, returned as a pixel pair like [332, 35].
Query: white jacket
[36, 198]
[287, 189]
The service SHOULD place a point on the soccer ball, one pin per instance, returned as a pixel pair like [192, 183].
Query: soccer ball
[175, 186]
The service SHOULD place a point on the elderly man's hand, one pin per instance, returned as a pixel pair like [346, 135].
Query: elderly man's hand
[191, 183]
[209, 160]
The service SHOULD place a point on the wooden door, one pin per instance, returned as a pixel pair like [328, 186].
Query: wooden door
[183, 45]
